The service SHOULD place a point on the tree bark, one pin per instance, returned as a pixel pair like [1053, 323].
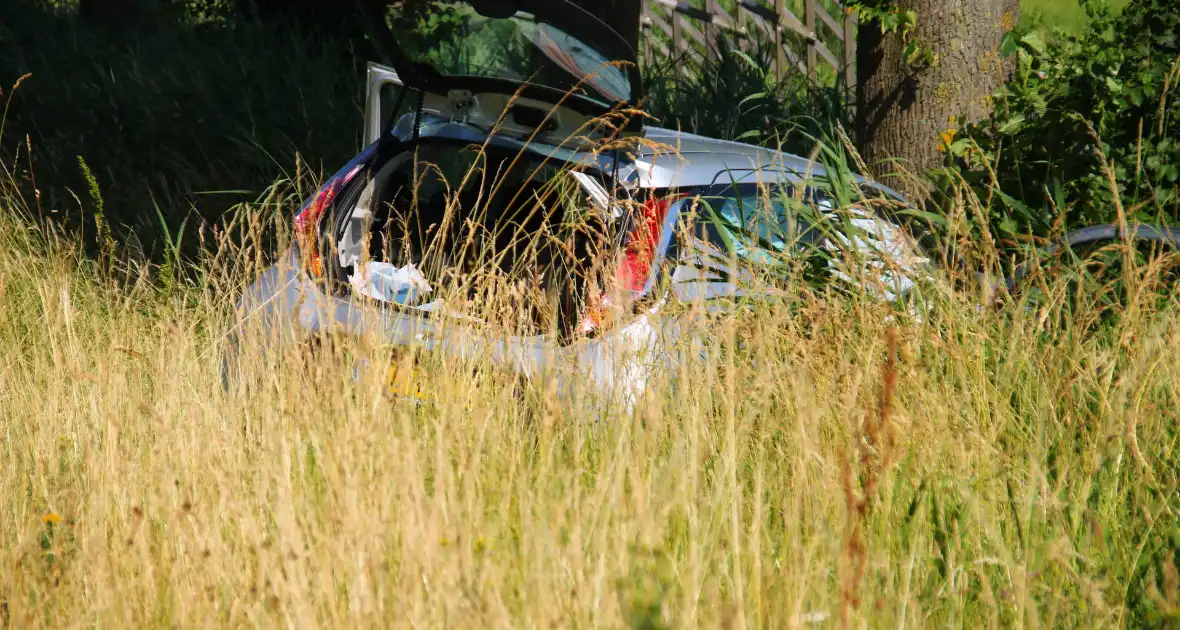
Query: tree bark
[903, 110]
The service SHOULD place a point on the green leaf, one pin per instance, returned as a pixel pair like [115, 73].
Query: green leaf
[756, 95]
[1009, 44]
[1008, 226]
[959, 147]
[1012, 125]
[932, 217]
[1021, 209]
[748, 59]
[1033, 41]
[1040, 104]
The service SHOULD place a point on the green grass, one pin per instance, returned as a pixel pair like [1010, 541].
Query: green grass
[1066, 15]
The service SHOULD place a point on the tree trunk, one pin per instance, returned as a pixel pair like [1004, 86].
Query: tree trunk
[903, 109]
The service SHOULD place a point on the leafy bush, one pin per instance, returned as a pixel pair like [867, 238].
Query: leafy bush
[1107, 92]
[738, 97]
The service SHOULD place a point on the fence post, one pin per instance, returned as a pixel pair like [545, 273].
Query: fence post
[645, 28]
[780, 55]
[849, 50]
[809, 22]
[710, 34]
[678, 56]
[741, 22]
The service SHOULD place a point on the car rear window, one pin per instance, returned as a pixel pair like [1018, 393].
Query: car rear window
[573, 54]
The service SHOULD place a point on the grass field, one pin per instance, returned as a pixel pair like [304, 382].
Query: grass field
[1067, 15]
[1010, 467]
[832, 462]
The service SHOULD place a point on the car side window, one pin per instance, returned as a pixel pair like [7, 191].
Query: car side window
[726, 233]
[752, 222]
[734, 235]
[760, 220]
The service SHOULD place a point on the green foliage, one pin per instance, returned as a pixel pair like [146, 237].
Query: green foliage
[199, 114]
[456, 39]
[738, 97]
[1068, 16]
[645, 593]
[891, 18]
[1074, 99]
[100, 219]
[1153, 594]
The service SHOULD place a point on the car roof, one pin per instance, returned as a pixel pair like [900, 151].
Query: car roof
[674, 159]
[667, 159]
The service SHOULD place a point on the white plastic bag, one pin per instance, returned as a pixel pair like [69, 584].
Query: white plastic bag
[382, 281]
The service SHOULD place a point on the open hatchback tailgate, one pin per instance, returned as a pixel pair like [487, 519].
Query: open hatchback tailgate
[540, 69]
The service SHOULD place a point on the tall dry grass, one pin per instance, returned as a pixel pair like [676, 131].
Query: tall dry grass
[831, 462]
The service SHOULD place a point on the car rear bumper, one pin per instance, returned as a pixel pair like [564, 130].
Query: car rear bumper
[284, 305]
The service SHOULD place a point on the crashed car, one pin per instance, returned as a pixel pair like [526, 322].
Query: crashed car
[492, 128]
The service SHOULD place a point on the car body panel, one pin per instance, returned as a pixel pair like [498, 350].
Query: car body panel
[679, 159]
[383, 89]
[285, 303]
[440, 128]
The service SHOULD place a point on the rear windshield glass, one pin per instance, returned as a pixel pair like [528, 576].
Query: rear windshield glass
[456, 39]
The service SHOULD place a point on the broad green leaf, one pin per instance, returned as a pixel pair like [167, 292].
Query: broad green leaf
[1033, 40]
[1012, 125]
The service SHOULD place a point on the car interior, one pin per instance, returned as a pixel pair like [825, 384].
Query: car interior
[464, 212]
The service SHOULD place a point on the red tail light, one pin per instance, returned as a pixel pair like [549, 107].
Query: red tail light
[307, 222]
[638, 256]
[640, 250]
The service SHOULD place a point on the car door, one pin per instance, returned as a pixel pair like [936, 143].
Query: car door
[384, 90]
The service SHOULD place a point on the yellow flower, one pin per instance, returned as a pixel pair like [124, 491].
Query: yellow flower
[51, 518]
[946, 138]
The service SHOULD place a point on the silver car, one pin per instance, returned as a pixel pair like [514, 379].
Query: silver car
[488, 119]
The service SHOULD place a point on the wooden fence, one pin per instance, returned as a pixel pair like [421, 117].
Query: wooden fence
[688, 30]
